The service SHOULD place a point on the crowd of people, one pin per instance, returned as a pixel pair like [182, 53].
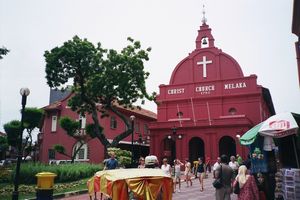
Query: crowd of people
[234, 175]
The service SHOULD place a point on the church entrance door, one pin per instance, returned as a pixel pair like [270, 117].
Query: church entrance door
[169, 150]
[196, 149]
[227, 146]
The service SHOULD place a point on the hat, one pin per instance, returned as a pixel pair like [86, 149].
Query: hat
[150, 160]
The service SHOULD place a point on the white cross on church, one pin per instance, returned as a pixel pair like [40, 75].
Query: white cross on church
[204, 62]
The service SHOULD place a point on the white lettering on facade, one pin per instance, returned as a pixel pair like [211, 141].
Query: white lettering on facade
[176, 91]
[230, 86]
[205, 89]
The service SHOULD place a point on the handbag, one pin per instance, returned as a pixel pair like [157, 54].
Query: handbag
[218, 182]
[236, 187]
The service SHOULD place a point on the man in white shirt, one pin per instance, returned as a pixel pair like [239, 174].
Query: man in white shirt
[166, 167]
[234, 165]
[216, 165]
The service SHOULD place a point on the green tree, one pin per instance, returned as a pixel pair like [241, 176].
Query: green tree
[3, 146]
[73, 129]
[101, 79]
[3, 51]
[32, 120]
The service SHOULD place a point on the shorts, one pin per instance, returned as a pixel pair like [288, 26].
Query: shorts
[201, 174]
[187, 173]
[177, 175]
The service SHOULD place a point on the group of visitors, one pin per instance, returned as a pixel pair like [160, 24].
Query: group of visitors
[234, 175]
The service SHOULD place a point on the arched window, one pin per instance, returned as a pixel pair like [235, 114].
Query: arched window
[82, 153]
[232, 111]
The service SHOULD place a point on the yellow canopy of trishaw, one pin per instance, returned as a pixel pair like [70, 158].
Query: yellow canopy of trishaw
[144, 183]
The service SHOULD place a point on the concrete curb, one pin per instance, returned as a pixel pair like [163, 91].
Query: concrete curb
[67, 194]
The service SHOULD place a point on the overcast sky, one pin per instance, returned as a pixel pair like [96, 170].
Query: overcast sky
[256, 33]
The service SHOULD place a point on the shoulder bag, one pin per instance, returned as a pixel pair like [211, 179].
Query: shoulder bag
[236, 187]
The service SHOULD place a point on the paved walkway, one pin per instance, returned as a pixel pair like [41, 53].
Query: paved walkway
[187, 193]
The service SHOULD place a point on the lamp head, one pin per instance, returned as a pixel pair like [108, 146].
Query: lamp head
[132, 117]
[24, 91]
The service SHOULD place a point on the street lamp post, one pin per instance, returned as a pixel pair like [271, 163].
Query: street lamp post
[24, 93]
[132, 118]
[140, 144]
[175, 137]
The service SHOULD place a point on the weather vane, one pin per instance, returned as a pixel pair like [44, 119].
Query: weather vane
[204, 20]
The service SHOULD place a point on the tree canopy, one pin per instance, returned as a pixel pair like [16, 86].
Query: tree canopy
[32, 119]
[3, 51]
[101, 79]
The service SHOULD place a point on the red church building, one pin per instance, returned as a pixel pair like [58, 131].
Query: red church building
[92, 151]
[207, 105]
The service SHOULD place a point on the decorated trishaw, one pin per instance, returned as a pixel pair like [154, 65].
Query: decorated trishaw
[141, 184]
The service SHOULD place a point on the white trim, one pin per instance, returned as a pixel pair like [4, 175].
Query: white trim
[128, 142]
[53, 123]
[176, 119]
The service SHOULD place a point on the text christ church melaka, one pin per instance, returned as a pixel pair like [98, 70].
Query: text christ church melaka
[207, 105]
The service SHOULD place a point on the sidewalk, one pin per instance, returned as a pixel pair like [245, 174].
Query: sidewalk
[187, 193]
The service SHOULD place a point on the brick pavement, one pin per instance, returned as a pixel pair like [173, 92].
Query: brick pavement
[187, 193]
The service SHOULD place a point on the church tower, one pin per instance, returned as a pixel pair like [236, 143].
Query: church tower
[207, 104]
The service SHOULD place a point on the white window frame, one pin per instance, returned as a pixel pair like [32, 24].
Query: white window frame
[85, 148]
[53, 123]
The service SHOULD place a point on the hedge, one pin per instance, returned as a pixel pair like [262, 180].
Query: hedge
[64, 172]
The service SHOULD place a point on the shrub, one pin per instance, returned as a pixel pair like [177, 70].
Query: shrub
[64, 172]
[5, 175]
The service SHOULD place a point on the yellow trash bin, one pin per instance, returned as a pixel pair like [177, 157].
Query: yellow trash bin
[45, 180]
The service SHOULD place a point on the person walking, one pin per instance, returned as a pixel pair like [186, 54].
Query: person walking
[239, 159]
[207, 164]
[187, 172]
[201, 172]
[141, 163]
[247, 185]
[112, 162]
[226, 174]
[177, 178]
[216, 165]
[234, 165]
[166, 167]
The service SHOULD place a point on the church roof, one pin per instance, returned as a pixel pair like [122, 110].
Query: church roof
[135, 110]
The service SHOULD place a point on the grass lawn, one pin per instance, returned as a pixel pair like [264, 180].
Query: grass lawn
[28, 191]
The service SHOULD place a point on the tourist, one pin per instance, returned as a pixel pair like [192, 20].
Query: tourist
[166, 167]
[239, 159]
[207, 164]
[187, 173]
[112, 162]
[226, 173]
[248, 188]
[234, 165]
[216, 165]
[151, 161]
[177, 174]
[201, 172]
[141, 163]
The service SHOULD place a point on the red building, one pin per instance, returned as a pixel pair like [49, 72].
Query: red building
[92, 151]
[207, 104]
